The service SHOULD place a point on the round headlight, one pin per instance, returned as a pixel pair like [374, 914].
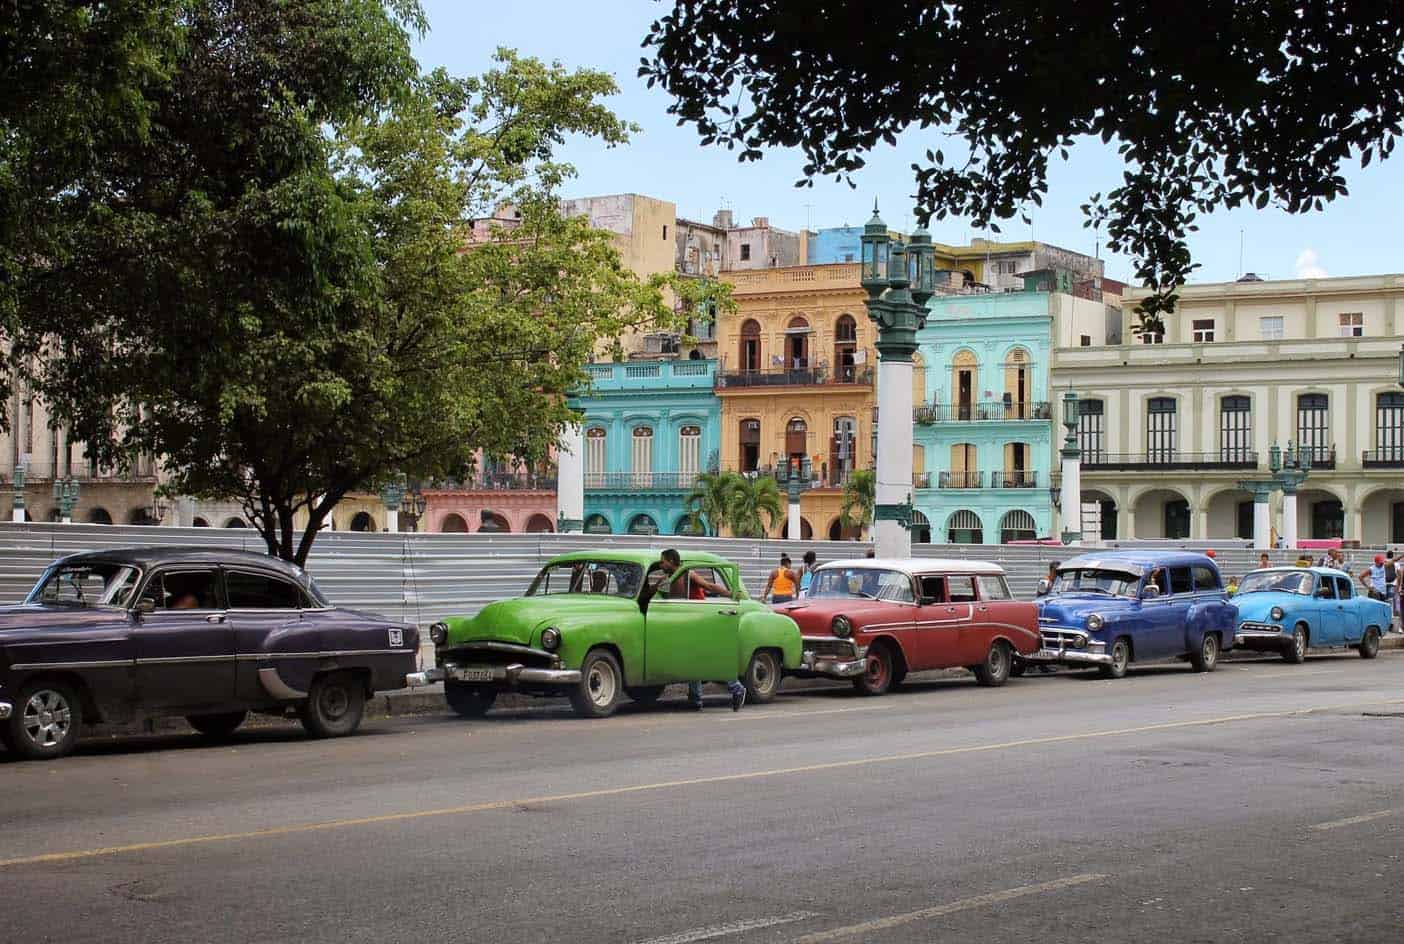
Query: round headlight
[550, 639]
[438, 633]
[842, 627]
[1277, 612]
[1095, 622]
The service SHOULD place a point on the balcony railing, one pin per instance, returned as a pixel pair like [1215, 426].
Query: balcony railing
[1323, 457]
[640, 481]
[989, 412]
[1383, 459]
[1156, 460]
[651, 375]
[921, 480]
[1014, 478]
[795, 377]
[962, 480]
[500, 482]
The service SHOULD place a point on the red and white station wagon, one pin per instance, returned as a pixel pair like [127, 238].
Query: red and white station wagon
[875, 620]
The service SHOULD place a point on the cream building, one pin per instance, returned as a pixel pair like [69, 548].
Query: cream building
[1171, 424]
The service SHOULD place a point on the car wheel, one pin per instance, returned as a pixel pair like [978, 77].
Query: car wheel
[335, 704]
[45, 721]
[762, 679]
[217, 726]
[468, 701]
[1296, 650]
[645, 695]
[877, 671]
[1370, 645]
[995, 669]
[1120, 659]
[1206, 657]
[596, 695]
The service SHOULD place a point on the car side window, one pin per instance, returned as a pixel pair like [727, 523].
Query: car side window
[962, 589]
[993, 587]
[1327, 588]
[183, 590]
[1205, 579]
[1180, 580]
[1343, 588]
[261, 592]
[710, 584]
[933, 588]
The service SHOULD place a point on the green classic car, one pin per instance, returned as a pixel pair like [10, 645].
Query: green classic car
[597, 625]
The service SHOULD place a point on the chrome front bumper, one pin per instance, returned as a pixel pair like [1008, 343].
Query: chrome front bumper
[1091, 653]
[514, 674]
[5, 710]
[838, 666]
[1252, 632]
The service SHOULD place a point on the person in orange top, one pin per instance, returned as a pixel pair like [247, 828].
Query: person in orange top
[782, 584]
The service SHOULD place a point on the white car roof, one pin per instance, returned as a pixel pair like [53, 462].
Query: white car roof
[919, 565]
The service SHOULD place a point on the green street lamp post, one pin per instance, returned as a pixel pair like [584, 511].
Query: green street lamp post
[66, 492]
[391, 495]
[899, 280]
[18, 513]
[1071, 478]
[1289, 468]
[412, 506]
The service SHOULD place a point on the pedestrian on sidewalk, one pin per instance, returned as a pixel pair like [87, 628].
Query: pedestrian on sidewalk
[811, 561]
[693, 586]
[782, 583]
[1264, 561]
[1373, 578]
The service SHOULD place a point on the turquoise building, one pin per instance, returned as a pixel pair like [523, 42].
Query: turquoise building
[649, 429]
[983, 427]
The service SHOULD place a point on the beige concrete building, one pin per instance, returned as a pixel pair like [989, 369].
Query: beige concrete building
[1172, 423]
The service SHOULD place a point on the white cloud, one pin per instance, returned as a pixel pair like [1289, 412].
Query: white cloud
[1309, 265]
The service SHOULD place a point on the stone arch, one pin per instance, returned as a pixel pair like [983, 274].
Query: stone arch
[1109, 511]
[362, 521]
[236, 522]
[453, 523]
[642, 523]
[1162, 511]
[597, 524]
[200, 522]
[964, 526]
[99, 515]
[539, 524]
[921, 528]
[499, 521]
[837, 532]
[1321, 512]
[1017, 525]
[1226, 515]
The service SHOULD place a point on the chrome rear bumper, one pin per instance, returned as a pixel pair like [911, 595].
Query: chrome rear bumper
[5, 710]
[514, 674]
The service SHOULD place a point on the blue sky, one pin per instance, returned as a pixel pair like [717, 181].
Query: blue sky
[1355, 236]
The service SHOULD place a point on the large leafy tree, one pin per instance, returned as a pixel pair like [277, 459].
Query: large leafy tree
[1263, 104]
[278, 288]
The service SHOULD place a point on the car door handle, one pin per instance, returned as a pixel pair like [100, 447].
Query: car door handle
[728, 612]
[950, 609]
[984, 609]
[215, 618]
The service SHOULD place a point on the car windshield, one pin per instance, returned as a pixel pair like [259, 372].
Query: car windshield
[92, 584]
[1118, 583]
[871, 583]
[612, 578]
[1285, 581]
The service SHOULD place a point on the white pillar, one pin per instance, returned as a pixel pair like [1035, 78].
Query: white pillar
[1262, 523]
[570, 475]
[1072, 497]
[392, 519]
[792, 530]
[894, 458]
[1289, 519]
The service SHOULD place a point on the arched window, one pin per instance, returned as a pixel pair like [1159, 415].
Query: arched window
[843, 449]
[963, 527]
[964, 382]
[846, 349]
[99, 516]
[641, 456]
[796, 438]
[750, 353]
[539, 524]
[1160, 429]
[453, 524]
[595, 441]
[643, 524]
[797, 344]
[597, 524]
[1314, 426]
[1018, 383]
[921, 528]
[1236, 430]
[493, 523]
[362, 521]
[1017, 525]
[689, 453]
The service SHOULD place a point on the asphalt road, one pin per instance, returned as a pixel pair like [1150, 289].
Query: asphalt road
[1263, 802]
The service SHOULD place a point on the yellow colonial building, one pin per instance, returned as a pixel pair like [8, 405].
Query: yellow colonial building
[796, 377]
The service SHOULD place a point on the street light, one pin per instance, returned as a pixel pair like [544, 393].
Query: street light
[391, 496]
[412, 505]
[876, 244]
[66, 492]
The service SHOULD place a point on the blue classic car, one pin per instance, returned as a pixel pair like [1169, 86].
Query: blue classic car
[1288, 609]
[1109, 610]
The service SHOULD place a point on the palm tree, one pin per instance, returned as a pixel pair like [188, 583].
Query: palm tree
[860, 496]
[710, 499]
[752, 500]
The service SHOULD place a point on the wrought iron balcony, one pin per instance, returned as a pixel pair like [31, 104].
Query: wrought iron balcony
[1014, 478]
[1323, 457]
[498, 482]
[1383, 459]
[990, 411]
[1165, 460]
[961, 480]
[921, 480]
[796, 377]
[640, 481]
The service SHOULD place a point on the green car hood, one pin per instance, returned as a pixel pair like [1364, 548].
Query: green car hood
[517, 620]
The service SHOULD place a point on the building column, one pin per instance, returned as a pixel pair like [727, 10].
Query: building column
[1262, 512]
[1126, 527]
[1071, 479]
[570, 479]
[894, 460]
[1289, 518]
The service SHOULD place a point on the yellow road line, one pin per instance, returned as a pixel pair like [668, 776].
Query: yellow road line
[406, 816]
[1354, 820]
[965, 904]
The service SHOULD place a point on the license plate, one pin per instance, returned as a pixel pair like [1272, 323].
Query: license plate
[475, 674]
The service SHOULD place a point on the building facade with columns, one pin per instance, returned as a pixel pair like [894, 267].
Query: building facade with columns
[796, 379]
[649, 429]
[1172, 423]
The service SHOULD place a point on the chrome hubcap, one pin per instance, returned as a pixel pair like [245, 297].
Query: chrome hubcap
[334, 701]
[762, 673]
[47, 718]
[601, 683]
[997, 661]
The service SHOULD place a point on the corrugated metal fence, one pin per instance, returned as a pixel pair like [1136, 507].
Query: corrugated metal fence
[422, 577]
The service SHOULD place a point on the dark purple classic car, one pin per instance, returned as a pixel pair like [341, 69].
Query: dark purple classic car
[209, 634]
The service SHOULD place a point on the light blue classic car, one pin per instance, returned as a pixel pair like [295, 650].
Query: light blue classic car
[1109, 610]
[1291, 609]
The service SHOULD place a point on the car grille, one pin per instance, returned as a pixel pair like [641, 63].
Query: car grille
[831, 648]
[1061, 638]
[1259, 627]
[507, 654]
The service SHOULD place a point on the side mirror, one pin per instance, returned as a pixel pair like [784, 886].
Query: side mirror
[1043, 587]
[1150, 593]
[145, 605]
